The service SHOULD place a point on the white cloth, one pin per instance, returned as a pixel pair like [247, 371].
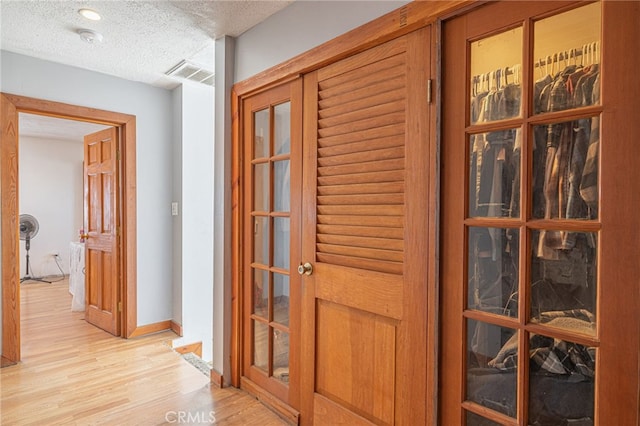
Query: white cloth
[76, 275]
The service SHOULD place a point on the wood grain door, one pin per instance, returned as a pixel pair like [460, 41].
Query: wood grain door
[365, 212]
[100, 226]
[539, 193]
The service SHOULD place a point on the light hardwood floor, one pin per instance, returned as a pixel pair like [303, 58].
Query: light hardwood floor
[75, 374]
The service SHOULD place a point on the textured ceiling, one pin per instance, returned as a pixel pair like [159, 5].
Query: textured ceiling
[142, 39]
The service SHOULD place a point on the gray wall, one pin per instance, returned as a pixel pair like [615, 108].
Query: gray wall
[26, 76]
[51, 190]
[300, 27]
[176, 301]
[225, 48]
[196, 216]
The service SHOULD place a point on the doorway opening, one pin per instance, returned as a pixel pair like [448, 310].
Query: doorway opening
[51, 189]
[12, 106]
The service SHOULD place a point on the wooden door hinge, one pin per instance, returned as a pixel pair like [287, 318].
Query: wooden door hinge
[429, 91]
[119, 306]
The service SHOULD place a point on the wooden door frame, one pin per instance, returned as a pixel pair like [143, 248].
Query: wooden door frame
[396, 23]
[11, 106]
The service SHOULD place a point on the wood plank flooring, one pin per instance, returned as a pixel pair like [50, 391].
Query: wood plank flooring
[75, 374]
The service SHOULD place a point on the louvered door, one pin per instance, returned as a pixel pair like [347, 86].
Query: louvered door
[363, 314]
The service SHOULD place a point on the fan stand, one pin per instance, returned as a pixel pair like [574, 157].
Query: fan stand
[27, 277]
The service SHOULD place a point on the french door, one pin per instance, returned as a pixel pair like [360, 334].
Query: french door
[335, 253]
[272, 168]
[539, 283]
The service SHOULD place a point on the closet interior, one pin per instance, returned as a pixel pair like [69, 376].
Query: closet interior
[558, 264]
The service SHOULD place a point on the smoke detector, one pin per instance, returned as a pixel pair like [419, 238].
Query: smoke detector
[189, 71]
[90, 36]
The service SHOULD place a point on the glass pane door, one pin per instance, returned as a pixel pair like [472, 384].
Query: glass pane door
[270, 214]
[531, 226]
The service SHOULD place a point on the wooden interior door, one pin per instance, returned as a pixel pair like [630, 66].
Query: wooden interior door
[271, 243]
[539, 191]
[100, 227]
[365, 213]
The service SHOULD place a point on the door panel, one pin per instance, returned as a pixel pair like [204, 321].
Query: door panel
[374, 292]
[364, 304]
[100, 173]
[355, 350]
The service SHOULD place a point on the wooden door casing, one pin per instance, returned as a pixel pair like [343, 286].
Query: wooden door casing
[101, 257]
[12, 105]
[365, 227]
[10, 233]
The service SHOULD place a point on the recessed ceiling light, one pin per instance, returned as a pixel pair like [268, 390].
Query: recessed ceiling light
[90, 14]
[90, 36]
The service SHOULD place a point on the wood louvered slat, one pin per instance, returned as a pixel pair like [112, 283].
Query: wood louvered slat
[365, 242]
[366, 253]
[378, 132]
[384, 176]
[388, 90]
[363, 156]
[381, 221]
[363, 188]
[365, 124]
[359, 81]
[386, 66]
[369, 57]
[360, 199]
[371, 111]
[363, 231]
[360, 166]
[374, 166]
[361, 210]
[361, 93]
[360, 263]
[371, 144]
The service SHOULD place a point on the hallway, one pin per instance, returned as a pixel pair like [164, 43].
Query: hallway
[75, 374]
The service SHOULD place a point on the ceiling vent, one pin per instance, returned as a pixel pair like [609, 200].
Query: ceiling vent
[189, 71]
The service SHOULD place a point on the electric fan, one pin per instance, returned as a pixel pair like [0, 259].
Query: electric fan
[29, 229]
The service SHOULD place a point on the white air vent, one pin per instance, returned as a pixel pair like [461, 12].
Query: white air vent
[189, 71]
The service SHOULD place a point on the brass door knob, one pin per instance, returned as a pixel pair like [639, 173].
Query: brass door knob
[305, 269]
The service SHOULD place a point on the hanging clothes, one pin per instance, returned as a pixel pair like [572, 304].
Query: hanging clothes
[589, 181]
[493, 161]
[561, 155]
